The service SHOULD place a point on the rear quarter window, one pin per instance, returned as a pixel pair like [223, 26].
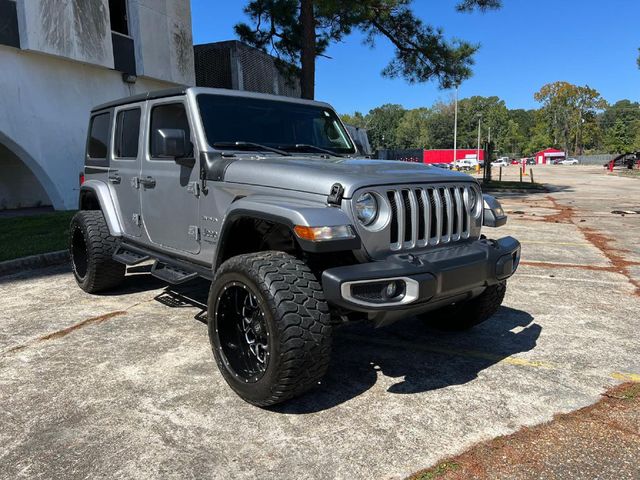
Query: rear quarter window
[99, 136]
[127, 133]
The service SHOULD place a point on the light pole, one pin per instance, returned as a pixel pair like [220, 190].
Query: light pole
[455, 127]
[479, 122]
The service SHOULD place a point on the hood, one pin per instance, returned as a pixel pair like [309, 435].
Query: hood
[314, 174]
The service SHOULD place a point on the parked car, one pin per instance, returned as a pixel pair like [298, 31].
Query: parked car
[466, 164]
[568, 161]
[627, 160]
[295, 230]
[531, 161]
[501, 162]
[445, 166]
[515, 161]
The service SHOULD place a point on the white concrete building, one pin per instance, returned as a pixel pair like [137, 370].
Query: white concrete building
[60, 58]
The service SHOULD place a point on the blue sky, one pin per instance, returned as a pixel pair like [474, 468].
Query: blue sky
[523, 46]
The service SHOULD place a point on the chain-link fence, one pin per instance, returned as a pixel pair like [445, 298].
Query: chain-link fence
[595, 159]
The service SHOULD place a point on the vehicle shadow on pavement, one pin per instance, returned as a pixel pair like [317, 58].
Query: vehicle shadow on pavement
[414, 358]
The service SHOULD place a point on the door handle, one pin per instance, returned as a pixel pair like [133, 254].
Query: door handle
[115, 178]
[148, 182]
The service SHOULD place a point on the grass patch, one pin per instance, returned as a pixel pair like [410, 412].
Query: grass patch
[31, 235]
[631, 392]
[512, 185]
[629, 173]
[437, 471]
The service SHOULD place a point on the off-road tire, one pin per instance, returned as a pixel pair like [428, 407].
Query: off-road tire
[91, 248]
[469, 313]
[297, 318]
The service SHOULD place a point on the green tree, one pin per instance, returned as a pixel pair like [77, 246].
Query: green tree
[494, 117]
[621, 125]
[413, 130]
[440, 125]
[540, 136]
[567, 109]
[619, 138]
[299, 31]
[513, 141]
[382, 123]
[356, 120]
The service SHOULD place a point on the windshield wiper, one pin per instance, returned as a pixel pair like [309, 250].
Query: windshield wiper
[254, 146]
[303, 146]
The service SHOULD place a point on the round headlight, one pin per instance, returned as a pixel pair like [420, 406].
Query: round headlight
[366, 208]
[473, 200]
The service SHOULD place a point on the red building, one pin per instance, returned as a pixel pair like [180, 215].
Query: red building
[446, 156]
[549, 155]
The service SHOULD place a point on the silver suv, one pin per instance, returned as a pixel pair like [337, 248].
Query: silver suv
[268, 198]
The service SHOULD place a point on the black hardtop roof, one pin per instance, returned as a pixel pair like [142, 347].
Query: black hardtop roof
[169, 92]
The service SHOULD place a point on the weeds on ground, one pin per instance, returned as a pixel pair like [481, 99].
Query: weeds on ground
[436, 472]
[32, 235]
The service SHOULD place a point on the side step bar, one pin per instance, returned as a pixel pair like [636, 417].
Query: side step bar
[171, 274]
[168, 269]
[129, 257]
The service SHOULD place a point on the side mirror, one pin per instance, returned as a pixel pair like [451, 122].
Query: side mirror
[172, 143]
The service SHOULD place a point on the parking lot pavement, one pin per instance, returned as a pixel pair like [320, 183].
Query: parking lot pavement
[123, 385]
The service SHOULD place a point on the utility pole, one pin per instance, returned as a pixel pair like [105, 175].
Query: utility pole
[455, 127]
[479, 122]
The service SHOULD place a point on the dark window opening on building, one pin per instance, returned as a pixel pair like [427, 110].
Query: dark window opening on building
[118, 14]
[124, 57]
[9, 34]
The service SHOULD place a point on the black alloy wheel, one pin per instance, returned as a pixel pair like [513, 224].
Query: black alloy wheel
[242, 332]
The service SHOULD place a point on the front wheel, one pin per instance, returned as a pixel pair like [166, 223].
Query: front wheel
[467, 314]
[269, 327]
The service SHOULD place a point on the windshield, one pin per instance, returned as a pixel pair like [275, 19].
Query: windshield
[284, 125]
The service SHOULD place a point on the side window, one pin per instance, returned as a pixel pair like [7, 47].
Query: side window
[170, 115]
[127, 133]
[99, 136]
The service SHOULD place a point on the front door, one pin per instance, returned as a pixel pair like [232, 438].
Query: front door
[169, 191]
[124, 168]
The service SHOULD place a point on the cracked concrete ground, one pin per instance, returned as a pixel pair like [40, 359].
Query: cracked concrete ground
[124, 386]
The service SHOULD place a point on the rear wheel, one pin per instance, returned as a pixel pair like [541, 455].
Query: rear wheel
[91, 248]
[467, 314]
[269, 327]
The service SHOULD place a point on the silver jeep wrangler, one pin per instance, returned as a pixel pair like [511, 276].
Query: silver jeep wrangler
[268, 198]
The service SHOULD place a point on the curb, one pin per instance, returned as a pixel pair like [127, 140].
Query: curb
[33, 261]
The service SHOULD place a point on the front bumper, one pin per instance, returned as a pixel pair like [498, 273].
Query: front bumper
[432, 279]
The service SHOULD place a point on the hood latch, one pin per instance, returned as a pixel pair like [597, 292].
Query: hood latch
[335, 197]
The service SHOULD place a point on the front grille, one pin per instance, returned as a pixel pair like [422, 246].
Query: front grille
[422, 216]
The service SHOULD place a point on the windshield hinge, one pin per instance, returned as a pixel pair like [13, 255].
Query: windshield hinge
[194, 231]
[194, 187]
[335, 197]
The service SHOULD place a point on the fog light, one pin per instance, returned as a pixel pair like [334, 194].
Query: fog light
[394, 290]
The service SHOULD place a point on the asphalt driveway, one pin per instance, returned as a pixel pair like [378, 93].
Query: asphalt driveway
[124, 385]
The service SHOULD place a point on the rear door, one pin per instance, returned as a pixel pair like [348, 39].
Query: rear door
[125, 166]
[169, 191]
